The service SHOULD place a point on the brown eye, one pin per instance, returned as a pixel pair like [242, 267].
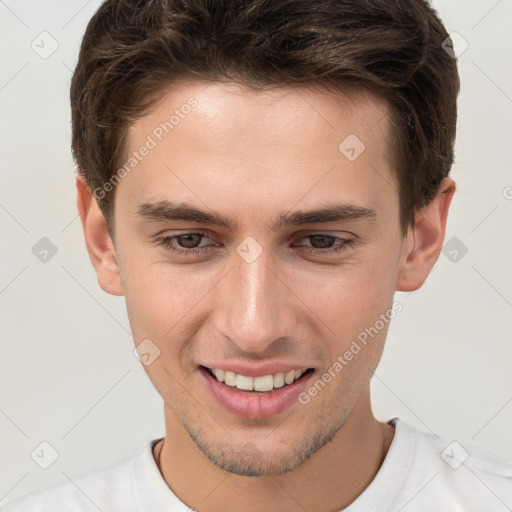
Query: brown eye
[323, 241]
[189, 240]
[184, 243]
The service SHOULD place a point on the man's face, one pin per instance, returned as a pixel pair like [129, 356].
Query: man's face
[263, 297]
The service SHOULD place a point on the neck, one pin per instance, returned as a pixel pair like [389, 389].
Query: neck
[330, 480]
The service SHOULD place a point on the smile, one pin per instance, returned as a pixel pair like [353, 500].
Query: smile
[261, 384]
[255, 397]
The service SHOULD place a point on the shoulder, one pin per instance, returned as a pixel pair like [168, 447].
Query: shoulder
[456, 473]
[105, 489]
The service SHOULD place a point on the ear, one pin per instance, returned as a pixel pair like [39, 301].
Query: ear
[97, 239]
[424, 241]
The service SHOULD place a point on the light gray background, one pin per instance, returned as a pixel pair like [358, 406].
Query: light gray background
[67, 372]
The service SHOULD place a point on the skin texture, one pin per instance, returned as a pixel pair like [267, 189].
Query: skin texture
[250, 156]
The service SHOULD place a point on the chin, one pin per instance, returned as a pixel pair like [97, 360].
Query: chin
[249, 460]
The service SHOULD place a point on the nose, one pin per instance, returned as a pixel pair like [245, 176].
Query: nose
[255, 306]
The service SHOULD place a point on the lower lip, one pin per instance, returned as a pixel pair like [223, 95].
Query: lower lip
[253, 405]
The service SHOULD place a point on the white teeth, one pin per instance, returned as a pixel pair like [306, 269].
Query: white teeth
[289, 377]
[259, 384]
[244, 382]
[229, 378]
[265, 383]
[219, 374]
[279, 380]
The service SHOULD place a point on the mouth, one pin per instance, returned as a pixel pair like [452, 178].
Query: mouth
[261, 384]
[255, 397]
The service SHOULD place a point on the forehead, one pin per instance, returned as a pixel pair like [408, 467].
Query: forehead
[225, 142]
[307, 111]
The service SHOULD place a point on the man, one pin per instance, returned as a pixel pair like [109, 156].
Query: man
[258, 179]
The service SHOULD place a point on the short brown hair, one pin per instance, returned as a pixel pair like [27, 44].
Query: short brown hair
[132, 50]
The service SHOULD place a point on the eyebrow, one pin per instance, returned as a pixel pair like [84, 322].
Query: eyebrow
[168, 210]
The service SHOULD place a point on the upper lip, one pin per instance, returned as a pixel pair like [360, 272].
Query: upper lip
[257, 370]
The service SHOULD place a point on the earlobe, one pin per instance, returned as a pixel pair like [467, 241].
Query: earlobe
[97, 239]
[424, 240]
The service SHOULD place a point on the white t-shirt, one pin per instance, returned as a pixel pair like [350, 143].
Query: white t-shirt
[421, 472]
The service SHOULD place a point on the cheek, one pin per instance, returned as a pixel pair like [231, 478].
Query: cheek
[348, 298]
[162, 306]
[160, 299]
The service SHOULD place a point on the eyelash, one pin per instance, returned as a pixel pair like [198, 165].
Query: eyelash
[165, 242]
